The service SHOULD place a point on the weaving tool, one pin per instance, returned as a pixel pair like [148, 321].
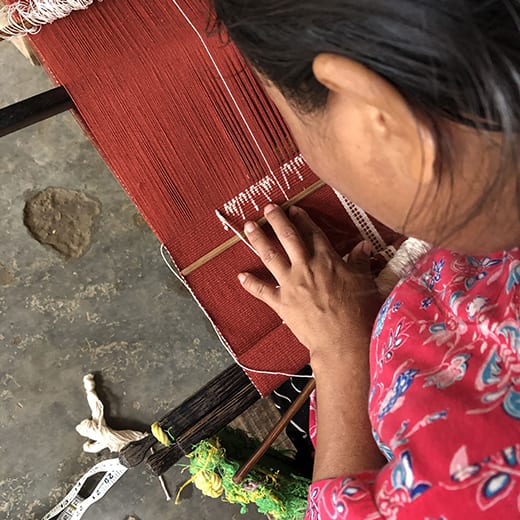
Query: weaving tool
[298, 403]
[187, 130]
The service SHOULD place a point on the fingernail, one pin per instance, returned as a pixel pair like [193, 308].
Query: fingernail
[294, 210]
[242, 278]
[269, 208]
[367, 248]
[250, 227]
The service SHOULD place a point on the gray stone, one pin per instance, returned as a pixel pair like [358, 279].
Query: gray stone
[63, 219]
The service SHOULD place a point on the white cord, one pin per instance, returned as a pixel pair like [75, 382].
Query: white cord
[28, 16]
[100, 435]
[227, 226]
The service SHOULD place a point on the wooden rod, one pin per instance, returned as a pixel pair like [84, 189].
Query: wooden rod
[242, 473]
[34, 109]
[234, 240]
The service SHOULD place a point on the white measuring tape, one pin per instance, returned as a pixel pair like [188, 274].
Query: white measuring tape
[73, 506]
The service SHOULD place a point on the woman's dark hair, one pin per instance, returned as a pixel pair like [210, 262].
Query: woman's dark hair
[450, 59]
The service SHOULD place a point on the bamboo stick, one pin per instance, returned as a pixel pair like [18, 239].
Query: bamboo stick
[234, 240]
[242, 473]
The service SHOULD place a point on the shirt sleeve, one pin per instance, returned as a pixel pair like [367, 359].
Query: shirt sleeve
[445, 398]
[489, 488]
[345, 497]
[334, 498]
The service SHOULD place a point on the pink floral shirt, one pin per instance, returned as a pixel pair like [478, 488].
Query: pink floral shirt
[444, 400]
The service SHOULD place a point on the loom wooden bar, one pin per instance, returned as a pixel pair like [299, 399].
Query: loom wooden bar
[33, 110]
[235, 240]
[209, 399]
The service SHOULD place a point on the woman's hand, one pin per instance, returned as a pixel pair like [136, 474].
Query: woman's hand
[329, 304]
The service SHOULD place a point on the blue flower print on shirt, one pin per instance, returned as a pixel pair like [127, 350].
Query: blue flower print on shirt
[396, 338]
[492, 369]
[455, 300]
[401, 385]
[493, 478]
[511, 403]
[426, 303]
[512, 334]
[480, 269]
[514, 276]
[396, 306]
[475, 306]
[433, 276]
[449, 373]
[403, 477]
[407, 430]
[383, 448]
[381, 317]
[494, 377]
[438, 328]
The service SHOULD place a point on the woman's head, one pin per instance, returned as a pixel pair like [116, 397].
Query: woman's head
[409, 107]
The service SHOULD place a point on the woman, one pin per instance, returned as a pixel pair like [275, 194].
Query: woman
[410, 108]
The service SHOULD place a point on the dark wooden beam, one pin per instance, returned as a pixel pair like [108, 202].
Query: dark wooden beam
[34, 109]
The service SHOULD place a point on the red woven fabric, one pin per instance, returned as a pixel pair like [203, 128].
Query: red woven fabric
[149, 94]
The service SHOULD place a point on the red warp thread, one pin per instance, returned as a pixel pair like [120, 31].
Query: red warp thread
[152, 101]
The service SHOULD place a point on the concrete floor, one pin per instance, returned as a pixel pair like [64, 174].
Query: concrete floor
[115, 311]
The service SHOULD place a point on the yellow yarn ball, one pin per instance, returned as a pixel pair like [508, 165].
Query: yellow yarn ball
[209, 483]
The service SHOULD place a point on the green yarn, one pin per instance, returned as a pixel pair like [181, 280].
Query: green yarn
[279, 496]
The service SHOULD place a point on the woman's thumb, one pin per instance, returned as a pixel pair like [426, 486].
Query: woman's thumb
[359, 258]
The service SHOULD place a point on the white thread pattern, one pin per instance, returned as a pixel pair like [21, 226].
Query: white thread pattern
[227, 226]
[365, 226]
[233, 99]
[28, 16]
[290, 172]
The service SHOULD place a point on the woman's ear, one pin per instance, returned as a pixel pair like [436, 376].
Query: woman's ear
[408, 141]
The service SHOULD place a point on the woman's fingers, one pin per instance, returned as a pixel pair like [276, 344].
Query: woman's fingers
[312, 234]
[270, 255]
[265, 292]
[286, 233]
[359, 258]
[288, 237]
